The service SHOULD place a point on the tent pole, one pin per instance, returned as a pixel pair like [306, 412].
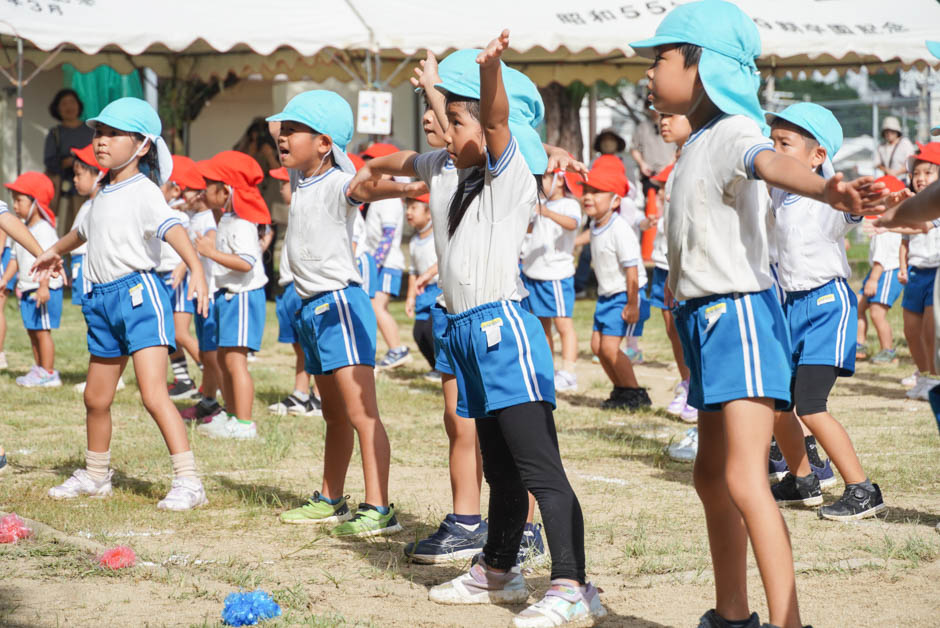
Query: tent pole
[19, 106]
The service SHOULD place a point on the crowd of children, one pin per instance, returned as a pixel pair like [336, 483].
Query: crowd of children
[749, 270]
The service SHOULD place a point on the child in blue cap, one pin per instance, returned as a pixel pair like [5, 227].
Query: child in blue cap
[821, 311]
[498, 351]
[732, 328]
[336, 324]
[127, 312]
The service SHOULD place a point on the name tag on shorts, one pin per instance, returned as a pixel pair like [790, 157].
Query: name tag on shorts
[320, 309]
[137, 295]
[493, 331]
[75, 268]
[713, 313]
[826, 298]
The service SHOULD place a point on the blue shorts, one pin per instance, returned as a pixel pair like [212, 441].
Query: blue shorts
[79, 285]
[550, 299]
[425, 301]
[207, 329]
[389, 281]
[178, 300]
[823, 326]
[888, 291]
[286, 307]
[4, 260]
[439, 327]
[240, 318]
[501, 357]
[337, 329]
[658, 288]
[128, 314]
[737, 346]
[369, 272]
[779, 292]
[918, 294]
[45, 316]
[608, 319]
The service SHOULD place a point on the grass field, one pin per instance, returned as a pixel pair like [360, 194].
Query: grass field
[645, 533]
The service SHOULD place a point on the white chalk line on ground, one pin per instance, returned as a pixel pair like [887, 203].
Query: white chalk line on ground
[127, 534]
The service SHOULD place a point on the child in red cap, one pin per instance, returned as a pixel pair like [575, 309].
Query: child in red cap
[618, 265]
[232, 193]
[422, 278]
[40, 300]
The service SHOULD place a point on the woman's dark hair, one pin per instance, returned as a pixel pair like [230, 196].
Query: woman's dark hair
[259, 129]
[62, 93]
[691, 53]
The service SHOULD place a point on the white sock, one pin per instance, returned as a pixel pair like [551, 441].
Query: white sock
[97, 465]
[633, 342]
[301, 395]
[184, 464]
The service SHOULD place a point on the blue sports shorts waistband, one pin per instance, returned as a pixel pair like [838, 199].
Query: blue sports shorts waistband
[464, 318]
[120, 283]
[799, 294]
[320, 295]
[925, 269]
[693, 304]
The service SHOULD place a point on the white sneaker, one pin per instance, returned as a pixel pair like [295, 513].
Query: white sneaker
[185, 494]
[911, 380]
[689, 414]
[927, 383]
[569, 606]
[222, 426]
[919, 389]
[80, 387]
[565, 381]
[81, 484]
[481, 586]
[677, 405]
[686, 449]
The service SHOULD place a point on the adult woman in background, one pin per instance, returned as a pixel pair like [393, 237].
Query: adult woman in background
[71, 132]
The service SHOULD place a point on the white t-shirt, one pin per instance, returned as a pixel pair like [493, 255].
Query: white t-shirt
[885, 249]
[319, 234]
[388, 213]
[79, 219]
[810, 241]
[548, 253]
[46, 236]
[480, 263]
[661, 242]
[169, 258]
[423, 254]
[438, 172]
[238, 236]
[124, 227]
[924, 251]
[284, 275]
[200, 224]
[717, 228]
[614, 248]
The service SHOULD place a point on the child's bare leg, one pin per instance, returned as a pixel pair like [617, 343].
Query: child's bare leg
[356, 385]
[569, 341]
[673, 335]
[879, 320]
[530, 516]
[596, 350]
[616, 363]
[235, 376]
[914, 333]
[339, 440]
[3, 320]
[184, 339]
[927, 324]
[46, 349]
[547, 328]
[385, 320]
[211, 374]
[748, 425]
[33, 345]
[150, 367]
[862, 335]
[790, 435]
[301, 377]
[466, 466]
[103, 375]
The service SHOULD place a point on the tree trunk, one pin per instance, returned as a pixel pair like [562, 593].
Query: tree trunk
[563, 116]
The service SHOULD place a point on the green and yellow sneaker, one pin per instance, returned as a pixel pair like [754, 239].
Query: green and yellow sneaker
[369, 522]
[318, 511]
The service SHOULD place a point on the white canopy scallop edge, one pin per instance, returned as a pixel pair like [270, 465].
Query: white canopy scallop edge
[551, 40]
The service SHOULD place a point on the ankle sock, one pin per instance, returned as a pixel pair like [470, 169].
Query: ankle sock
[529, 527]
[738, 623]
[184, 464]
[567, 366]
[812, 452]
[331, 502]
[633, 342]
[97, 464]
[469, 522]
[299, 394]
[382, 510]
[180, 371]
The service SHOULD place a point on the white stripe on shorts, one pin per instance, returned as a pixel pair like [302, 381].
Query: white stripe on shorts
[748, 381]
[148, 281]
[526, 376]
[842, 332]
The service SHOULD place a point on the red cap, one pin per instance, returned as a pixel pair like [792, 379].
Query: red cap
[357, 161]
[424, 198]
[280, 174]
[891, 182]
[573, 180]
[663, 174]
[243, 174]
[87, 156]
[379, 150]
[929, 152]
[609, 175]
[40, 188]
[186, 173]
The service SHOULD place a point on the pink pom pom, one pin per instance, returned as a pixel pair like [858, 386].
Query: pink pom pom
[118, 558]
[12, 529]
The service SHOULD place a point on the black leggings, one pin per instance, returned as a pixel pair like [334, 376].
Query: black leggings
[520, 453]
[423, 333]
[811, 386]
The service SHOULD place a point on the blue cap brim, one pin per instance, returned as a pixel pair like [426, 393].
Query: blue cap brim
[287, 117]
[452, 85]
[645, 48]
[934, 48]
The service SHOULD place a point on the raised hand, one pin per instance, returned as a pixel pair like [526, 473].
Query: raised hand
[426, 75]
[494, 50]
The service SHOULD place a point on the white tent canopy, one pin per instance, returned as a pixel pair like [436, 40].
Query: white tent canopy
[551, 40]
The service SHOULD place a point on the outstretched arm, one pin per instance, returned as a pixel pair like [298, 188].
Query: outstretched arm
[426, 77]
[905, 208]
[494, 103]
[367, 184]
[49, 263]
[19, 232]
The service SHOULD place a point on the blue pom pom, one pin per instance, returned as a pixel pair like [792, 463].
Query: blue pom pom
[247, 609]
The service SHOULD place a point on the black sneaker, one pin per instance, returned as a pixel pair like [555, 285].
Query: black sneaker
[616, 399]
[637, 398]
[183, 390]
[776, 467]
[856, 502]
[290, 404]
[452, 541]
[313, 405]
[792, 490]
[774, 626]
[202, 411]
[712, 619]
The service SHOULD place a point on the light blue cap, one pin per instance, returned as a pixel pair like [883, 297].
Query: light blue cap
[461, 76]
[325, 112]
[134, 115]
[730, 42]
[815, 119]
